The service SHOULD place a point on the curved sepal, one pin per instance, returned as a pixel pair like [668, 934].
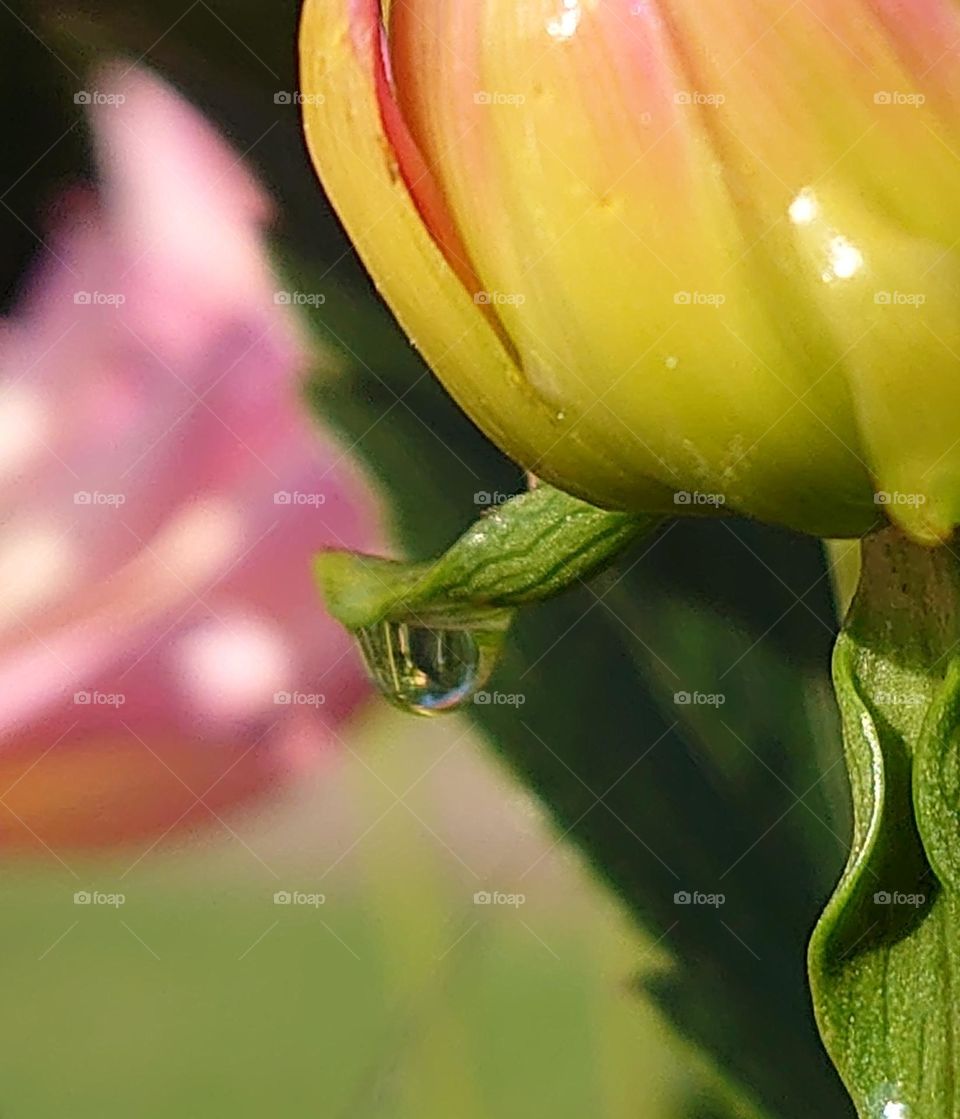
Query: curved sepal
[884, 953]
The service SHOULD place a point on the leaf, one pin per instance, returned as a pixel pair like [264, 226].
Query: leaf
[530, 548]
[884, 955]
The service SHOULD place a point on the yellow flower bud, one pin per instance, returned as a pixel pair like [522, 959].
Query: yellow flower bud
[673, 256]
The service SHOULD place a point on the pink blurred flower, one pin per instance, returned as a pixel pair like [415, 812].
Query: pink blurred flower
[162, 651]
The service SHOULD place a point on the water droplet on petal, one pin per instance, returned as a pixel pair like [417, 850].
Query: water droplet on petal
[428, 671]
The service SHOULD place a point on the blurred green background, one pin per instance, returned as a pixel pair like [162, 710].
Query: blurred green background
[399, 996]
[396, 996]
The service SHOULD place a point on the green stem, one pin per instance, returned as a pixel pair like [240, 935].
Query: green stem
[884, 957]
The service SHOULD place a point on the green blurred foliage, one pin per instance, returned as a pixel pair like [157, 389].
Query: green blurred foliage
[199, 996]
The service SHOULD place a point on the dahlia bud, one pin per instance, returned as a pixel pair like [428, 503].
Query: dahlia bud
[670, 256]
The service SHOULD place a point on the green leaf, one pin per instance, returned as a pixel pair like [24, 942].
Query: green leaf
[532, 547]
[884, 954]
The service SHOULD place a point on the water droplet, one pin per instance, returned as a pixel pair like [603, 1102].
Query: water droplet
[428, 671]
[895, 1109]
[885, 1103]
[564, 25]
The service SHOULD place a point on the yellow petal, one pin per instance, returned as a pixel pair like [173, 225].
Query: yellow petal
[459, 337]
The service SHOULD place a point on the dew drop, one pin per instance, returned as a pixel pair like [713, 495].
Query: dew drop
[428, 671]
[886, 1103]
[895, 1109]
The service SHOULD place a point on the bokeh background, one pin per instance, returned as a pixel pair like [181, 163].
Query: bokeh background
[375, 985]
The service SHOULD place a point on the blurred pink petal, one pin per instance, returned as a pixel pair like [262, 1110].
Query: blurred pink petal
[163, 653]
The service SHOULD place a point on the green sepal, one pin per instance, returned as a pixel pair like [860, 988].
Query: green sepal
[529, 548]
[885, 954]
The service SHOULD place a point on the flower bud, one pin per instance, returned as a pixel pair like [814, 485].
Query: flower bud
[669, 248]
